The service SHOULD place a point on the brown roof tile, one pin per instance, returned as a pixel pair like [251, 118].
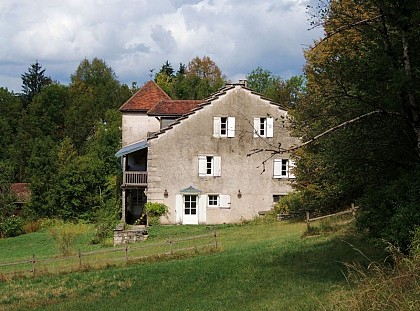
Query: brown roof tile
[174, 107]
[145, 98]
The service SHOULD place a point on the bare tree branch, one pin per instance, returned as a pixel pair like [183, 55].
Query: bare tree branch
[334, 128]
[279, 150]
[346, 27]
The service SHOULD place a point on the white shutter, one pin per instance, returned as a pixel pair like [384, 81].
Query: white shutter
[256, 127]
[217, 166]
[202, 165]
[179, 206]
[291, 167]
[202, 203]
[224, 201]
[231, 126]
[270, 127]
[277, 168]
[216, 126]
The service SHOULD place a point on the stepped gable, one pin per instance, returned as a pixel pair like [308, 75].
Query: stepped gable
[145, 98]
[174, 107]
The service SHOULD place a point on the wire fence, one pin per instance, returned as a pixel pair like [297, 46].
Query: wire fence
[128, 253]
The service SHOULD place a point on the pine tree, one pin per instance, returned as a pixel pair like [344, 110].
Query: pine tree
[33, 81]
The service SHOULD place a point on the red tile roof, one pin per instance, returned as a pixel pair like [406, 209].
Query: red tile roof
[174, 107]
[145, 98]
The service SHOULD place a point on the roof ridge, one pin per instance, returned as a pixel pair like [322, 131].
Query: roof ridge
[145, 97]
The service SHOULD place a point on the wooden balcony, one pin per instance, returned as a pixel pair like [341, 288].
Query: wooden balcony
[135, 178]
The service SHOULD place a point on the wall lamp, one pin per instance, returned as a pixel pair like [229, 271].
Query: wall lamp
[239, 194]
[165, 193]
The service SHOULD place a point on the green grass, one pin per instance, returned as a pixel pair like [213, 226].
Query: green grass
[41, 244]
[261, 267]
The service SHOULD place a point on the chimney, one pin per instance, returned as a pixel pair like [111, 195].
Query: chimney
[243, 82]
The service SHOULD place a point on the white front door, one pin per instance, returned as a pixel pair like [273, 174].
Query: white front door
[190, 210]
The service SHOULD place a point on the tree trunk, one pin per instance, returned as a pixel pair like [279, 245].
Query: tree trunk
[410, 90]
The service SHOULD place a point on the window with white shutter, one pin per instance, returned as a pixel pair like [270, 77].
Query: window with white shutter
[209, 165]
[231, 127]
[224, 201]
[224, 127]
[283, 168]
[263, 127]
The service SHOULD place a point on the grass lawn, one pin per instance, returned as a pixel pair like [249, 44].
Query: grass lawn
[260, 267]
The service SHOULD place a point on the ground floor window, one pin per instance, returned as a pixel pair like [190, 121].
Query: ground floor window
[213, 200]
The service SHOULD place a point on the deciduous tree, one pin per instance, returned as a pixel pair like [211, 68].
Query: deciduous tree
[198, 80]
[285, 92]
[94, 89]
[365, 69]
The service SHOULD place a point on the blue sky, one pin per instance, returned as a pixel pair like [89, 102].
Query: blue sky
[134, 36]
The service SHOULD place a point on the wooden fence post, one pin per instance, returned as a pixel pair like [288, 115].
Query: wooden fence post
[171, 251]
[80, 259]
[353, 211]
[215, 238]
[308, 225]
[126, 251]
[33, 265]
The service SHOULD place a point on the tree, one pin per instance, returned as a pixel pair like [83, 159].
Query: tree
[285, 92]
[47, 109]
[198, 80]
[42, 171]
[165, 78]
[362, 90]
[93, 90]
[205, 75]
[33, 81]
[261, 81]
[10, 118]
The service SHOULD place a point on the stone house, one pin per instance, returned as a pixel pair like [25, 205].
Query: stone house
[193, 155]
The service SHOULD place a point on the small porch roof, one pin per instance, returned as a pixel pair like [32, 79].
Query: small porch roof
[132, 148]
[190, 190]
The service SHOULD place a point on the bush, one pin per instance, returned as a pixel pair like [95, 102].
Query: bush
[154, 211]
[392, 213]
[65, 237]
[291, 202]
[32, 226]
[11, 226]
[106, 220]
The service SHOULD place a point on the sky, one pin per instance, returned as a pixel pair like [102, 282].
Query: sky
[136, 36]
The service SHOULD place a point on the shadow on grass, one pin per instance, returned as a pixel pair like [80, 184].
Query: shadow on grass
[322, 261]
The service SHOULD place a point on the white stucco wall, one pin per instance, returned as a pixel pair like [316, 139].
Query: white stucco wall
[136, 125]
[173, 158]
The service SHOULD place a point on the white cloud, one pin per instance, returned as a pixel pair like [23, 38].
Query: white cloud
[133, 36]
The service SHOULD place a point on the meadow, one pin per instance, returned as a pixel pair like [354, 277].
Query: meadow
[258, 266]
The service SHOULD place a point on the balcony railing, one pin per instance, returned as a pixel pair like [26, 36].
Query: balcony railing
[134, 178]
